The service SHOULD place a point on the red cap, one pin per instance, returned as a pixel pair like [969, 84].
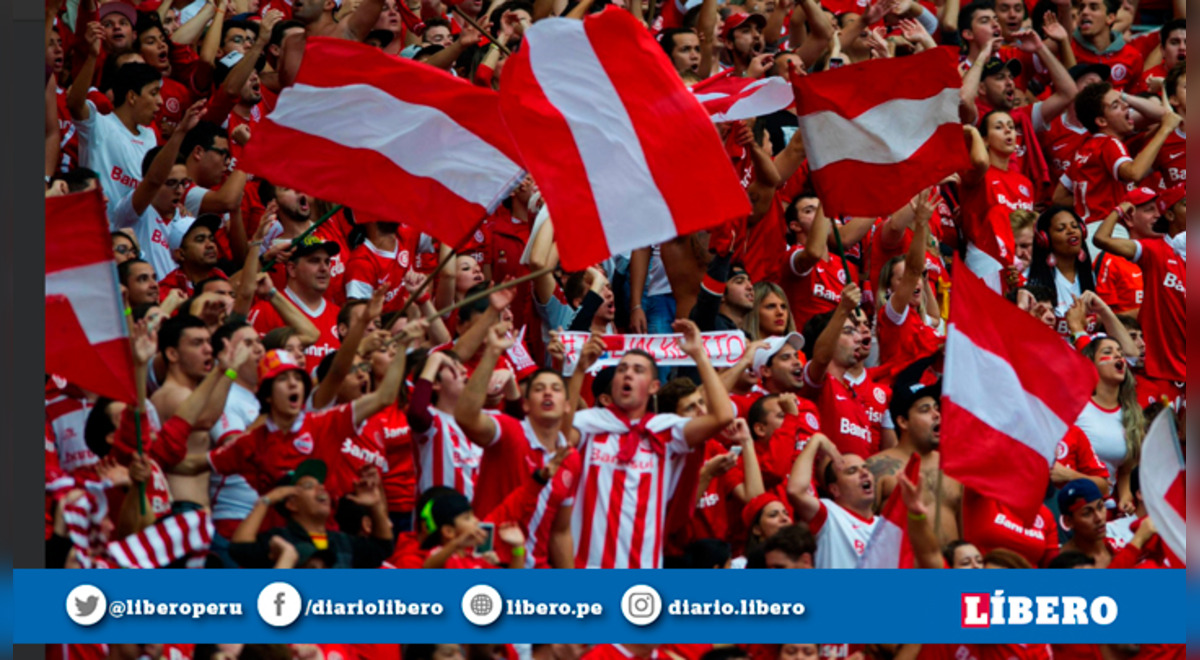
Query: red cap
[274, 363]
[1170, 197]
[149, 6]
[1141, 195]
[118, 7]
[756, 505]
[736, 21]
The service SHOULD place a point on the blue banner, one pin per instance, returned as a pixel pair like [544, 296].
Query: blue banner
[594, 606]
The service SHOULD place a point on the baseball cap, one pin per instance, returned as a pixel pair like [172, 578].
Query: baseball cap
[772, 346]
[997, 65]
[311, 467]
[275, 362]
[410, 51]
[1141, 195]
[179, 228]
[312, 244]
[1170, 197]
[1080, 70]
[1076, 494]
[118, 7]
[906, 394]
[756, 505]
[443, 510]
[736, 21]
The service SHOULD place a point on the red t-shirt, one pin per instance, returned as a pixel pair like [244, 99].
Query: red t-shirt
[1126, 63]
[1171, 163]
[1060, 142]
[1075, 452]
[267, 453]
[1164, 309]
[264, 318]
[904, 338]
[177, 98]
[1093, 177]
[990, 232]
[389, 429]
[814, 291]
[408, 552]
[369, 267]
[1118, 283]
[875, 399]
[843, 416]
[766, 245]
[989, 525]
[508, 461]
[176, 279]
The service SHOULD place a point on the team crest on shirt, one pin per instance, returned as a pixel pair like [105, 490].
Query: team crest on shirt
[880, 396]
[478, 236]
[59, 382]
[1024, 190]
[402, 258]
[303, 443]
[568, 480]
[841, 275]
[1061, 451]
[1038, 523]
[1119, 72]
[812, 420]
[172, 105]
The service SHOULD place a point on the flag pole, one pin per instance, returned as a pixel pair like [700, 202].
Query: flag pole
[470, 21]
[441, 263]
[841, 252]
[937, 502]
[137, 426]
[499, 287]
[307, 232]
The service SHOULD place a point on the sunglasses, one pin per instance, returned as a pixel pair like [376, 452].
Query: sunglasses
[125, 249]
[223, 152]
[178, 183]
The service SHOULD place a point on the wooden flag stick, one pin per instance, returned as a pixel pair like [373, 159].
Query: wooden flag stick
[307, 232]
[499, 287]
[470, 21]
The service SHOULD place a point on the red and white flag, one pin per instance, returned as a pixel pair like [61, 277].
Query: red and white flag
[1011, 389]
[729, 98]
[623, 154]
[889, 546]
[87, 338]
[397, 139]
[879, 132]
[1162, 474]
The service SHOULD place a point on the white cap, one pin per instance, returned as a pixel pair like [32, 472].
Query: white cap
[178, 229]
[772, 346]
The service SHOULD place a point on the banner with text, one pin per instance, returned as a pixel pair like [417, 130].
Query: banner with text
[724, 349]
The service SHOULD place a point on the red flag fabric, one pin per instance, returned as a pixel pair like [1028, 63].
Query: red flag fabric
[1163, 478]
[889, 546]
[398, 139]
[623, 154]
[1011, 390]
[890, 123]
[87, 339]
[730, 98]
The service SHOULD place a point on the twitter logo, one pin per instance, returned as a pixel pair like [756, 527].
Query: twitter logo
[86, 605]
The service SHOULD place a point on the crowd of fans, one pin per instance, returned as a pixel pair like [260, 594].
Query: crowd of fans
[615, 651]
[293, 397]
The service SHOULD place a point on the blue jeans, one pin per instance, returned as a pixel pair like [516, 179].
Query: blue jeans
[660, 314]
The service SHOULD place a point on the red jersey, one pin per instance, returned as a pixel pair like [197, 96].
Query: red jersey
[814, 291]
[446, 457]
[843, 416]
[1126, 62]
[264, 318]
[369, 267]
[408, 552]
[1171, 163]
[235, 120]
[1060, 142]
[1118, 282]
[989, 234]
[389, 429]
[1077, 652]
[177, 98]
[875, 399]
[713, 518]
[508, 239]
[989, 525]
[68, 140]
[267, 453]
[176, 279]
[1164, 309]
[620, 513]
[985, 652]
[1093, 177]
[616, 652]
[766, 245]
[1075, 451]
[904, 338]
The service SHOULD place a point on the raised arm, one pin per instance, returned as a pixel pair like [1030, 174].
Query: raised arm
[971, 82]
[1064, 85]
[389, 389]
[343, 360]
[720, 408]
[358, 24]
[804, 502]
[920, 528]
[826, 343]
[821, 32]
[816, 247]
[914, 261]
[479, 426]
[212, 38]
[591, 351]
[706, 31]
[189, 32]
[77, 93]
[1139, 167]
[160, 167]
[1108, 318]
[1104, 239]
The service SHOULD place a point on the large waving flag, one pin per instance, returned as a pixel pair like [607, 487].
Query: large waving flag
[623, 153]
[1012, 387]
[1163, 477]
[398, 139]
[892, 124]
[87, 339]
[730, 98]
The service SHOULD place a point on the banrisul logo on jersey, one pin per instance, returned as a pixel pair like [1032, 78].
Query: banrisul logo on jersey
[983, 610]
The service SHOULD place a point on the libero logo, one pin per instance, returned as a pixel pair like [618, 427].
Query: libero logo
[996, 609]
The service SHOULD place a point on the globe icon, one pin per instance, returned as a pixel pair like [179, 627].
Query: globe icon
[481, 605]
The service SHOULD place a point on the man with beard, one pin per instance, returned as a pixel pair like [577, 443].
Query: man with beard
[683, 47]
[742, 34]
[726, 296]
[1081, 507]
[193, 246]
[915, 411]
[307, 283]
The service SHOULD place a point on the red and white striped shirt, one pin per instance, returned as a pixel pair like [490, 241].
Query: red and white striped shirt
[621, 507]
[445, 457]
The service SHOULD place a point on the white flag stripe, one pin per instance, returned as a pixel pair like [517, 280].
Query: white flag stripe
[632, 210]
[757, 99]
[171, 527]
[117, 553]
[90, 290]
[1159, 467]
[410, 135]
[993, 393]
[140, 557]
[887, 134]
[883, 549]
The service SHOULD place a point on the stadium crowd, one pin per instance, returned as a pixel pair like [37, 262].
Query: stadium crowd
[294, 400]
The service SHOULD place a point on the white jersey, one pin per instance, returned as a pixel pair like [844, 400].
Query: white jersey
[151, 231]
[232, 496]
[115, 154]
[620, 508]
[842, 536]
[446, 457]
[67, 417]
[1105, 430]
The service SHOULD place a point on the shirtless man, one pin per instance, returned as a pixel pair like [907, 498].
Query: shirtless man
[914, 409]
[318, 19]
[183, 343]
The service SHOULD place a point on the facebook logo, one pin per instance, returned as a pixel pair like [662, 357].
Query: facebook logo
[279, 604]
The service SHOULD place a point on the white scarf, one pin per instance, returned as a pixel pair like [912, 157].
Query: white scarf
[1178, 242]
